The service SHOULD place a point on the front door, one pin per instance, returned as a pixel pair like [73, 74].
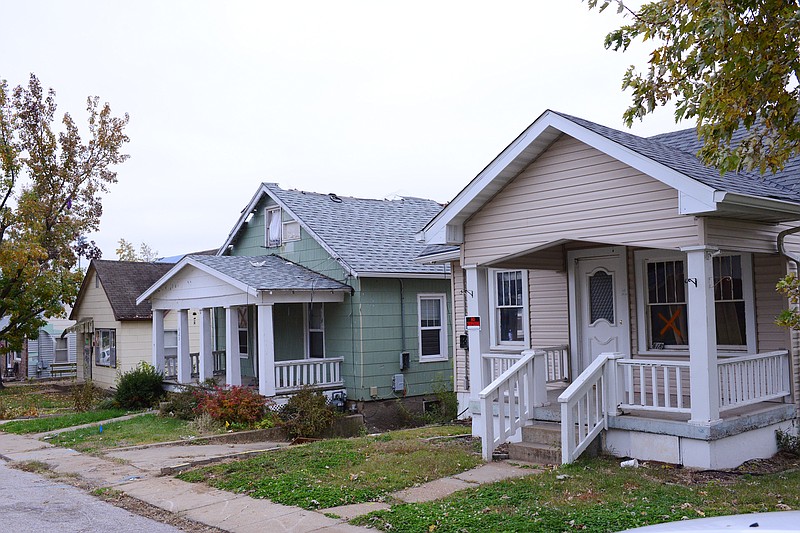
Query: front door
[600, 284]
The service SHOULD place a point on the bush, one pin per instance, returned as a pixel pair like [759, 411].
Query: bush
[84, 396]
[788, 441]
[140, 387]
[182, 405]
[445, 410]
[237, 405]
[307, 414]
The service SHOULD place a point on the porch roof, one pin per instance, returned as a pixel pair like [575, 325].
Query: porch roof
[251, 275]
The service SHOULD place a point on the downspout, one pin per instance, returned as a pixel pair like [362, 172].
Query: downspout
[402, 318]
[794, 258]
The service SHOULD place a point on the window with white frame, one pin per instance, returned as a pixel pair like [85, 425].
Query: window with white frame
[507, 291]
[170, 343]
[274, 225]
[664, 312]
[61, 350]
[432, 327]
[316, 330]
[105, 347]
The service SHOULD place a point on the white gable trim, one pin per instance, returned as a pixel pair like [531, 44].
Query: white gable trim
[188, 261]
[447, 226]
[262, 191]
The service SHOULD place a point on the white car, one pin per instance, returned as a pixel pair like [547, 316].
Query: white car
[745, 523]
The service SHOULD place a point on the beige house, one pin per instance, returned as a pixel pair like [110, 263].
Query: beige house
[114, 334]
[618, 287]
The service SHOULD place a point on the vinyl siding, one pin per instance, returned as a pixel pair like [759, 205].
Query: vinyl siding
[549, 313]
[461, 359]
[575, 192]
[767, 270]
[746, 235]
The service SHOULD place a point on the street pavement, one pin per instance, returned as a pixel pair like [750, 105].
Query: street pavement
[30, 503]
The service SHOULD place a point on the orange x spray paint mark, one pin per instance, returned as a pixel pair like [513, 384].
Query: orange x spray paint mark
[670, 324]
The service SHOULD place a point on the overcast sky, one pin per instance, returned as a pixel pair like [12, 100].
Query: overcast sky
[361, 98]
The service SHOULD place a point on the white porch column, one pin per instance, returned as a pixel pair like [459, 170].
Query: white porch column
[477, 305]
[704, 382]
[184, 363]
[233, 367]
[158, 339]
[206, 360]
[266, 351]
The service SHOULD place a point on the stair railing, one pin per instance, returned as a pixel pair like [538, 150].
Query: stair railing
[507, 402]
[586, 404]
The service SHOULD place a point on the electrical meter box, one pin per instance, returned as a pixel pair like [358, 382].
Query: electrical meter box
[398, 383]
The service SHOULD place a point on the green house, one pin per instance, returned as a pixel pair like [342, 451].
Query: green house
[314, 289]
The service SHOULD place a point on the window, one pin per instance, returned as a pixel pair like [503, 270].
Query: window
[170, 343]
[105, 347]
[664, 299]
[432, 327]
[62, 350]
[244, 340]
[508, 295]
[273, 227]
[316, 331]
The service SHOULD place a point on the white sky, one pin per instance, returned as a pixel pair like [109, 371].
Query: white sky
[361, 98]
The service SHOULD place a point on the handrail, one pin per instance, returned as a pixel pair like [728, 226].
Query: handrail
[750, 379]
[586, 403]
[514, 393]
[660, 385]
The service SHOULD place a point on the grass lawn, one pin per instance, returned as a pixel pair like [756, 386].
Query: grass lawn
[343, 471]
[34, 399]
[594, 495]
[40, 425]
[145, 429]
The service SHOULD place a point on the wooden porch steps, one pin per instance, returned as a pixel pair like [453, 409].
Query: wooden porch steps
[541, 444]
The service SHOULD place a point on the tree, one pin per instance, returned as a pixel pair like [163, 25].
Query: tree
[725, 64]
[50, 195]
[126, 252]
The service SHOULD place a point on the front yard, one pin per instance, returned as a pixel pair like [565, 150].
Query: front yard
[337, 472]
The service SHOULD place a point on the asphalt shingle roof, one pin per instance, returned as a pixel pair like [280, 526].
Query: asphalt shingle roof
[124, 281]
[678, 150]
[371, 236]
[269, 272]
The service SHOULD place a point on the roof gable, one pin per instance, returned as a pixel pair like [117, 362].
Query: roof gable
[367, 237]
[668, 158]
[123, 282]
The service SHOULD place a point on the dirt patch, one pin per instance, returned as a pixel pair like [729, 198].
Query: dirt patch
[780, 462]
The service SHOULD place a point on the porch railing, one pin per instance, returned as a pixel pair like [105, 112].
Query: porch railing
[218, 357]
[170, 367]
[585, 405]
[291, 376]
[752, 379]
[655, 385]
[556, 363]
[511, 397]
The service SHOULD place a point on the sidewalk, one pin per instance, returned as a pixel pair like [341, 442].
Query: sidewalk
[141, 479]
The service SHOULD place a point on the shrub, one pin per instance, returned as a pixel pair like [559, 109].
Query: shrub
[445, 410]
[307, 414]
[140, 387]
[84, 396]
[237, 405]
[788, 441]
[182, 405]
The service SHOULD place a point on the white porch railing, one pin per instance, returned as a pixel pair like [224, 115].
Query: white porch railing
[585, 405]
[752, 379]
[292, 376]
[655, 385]
[170, 366]
[511, 397]
[556, 363]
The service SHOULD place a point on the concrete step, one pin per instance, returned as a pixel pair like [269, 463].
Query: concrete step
[542, 433]
[532, 452]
